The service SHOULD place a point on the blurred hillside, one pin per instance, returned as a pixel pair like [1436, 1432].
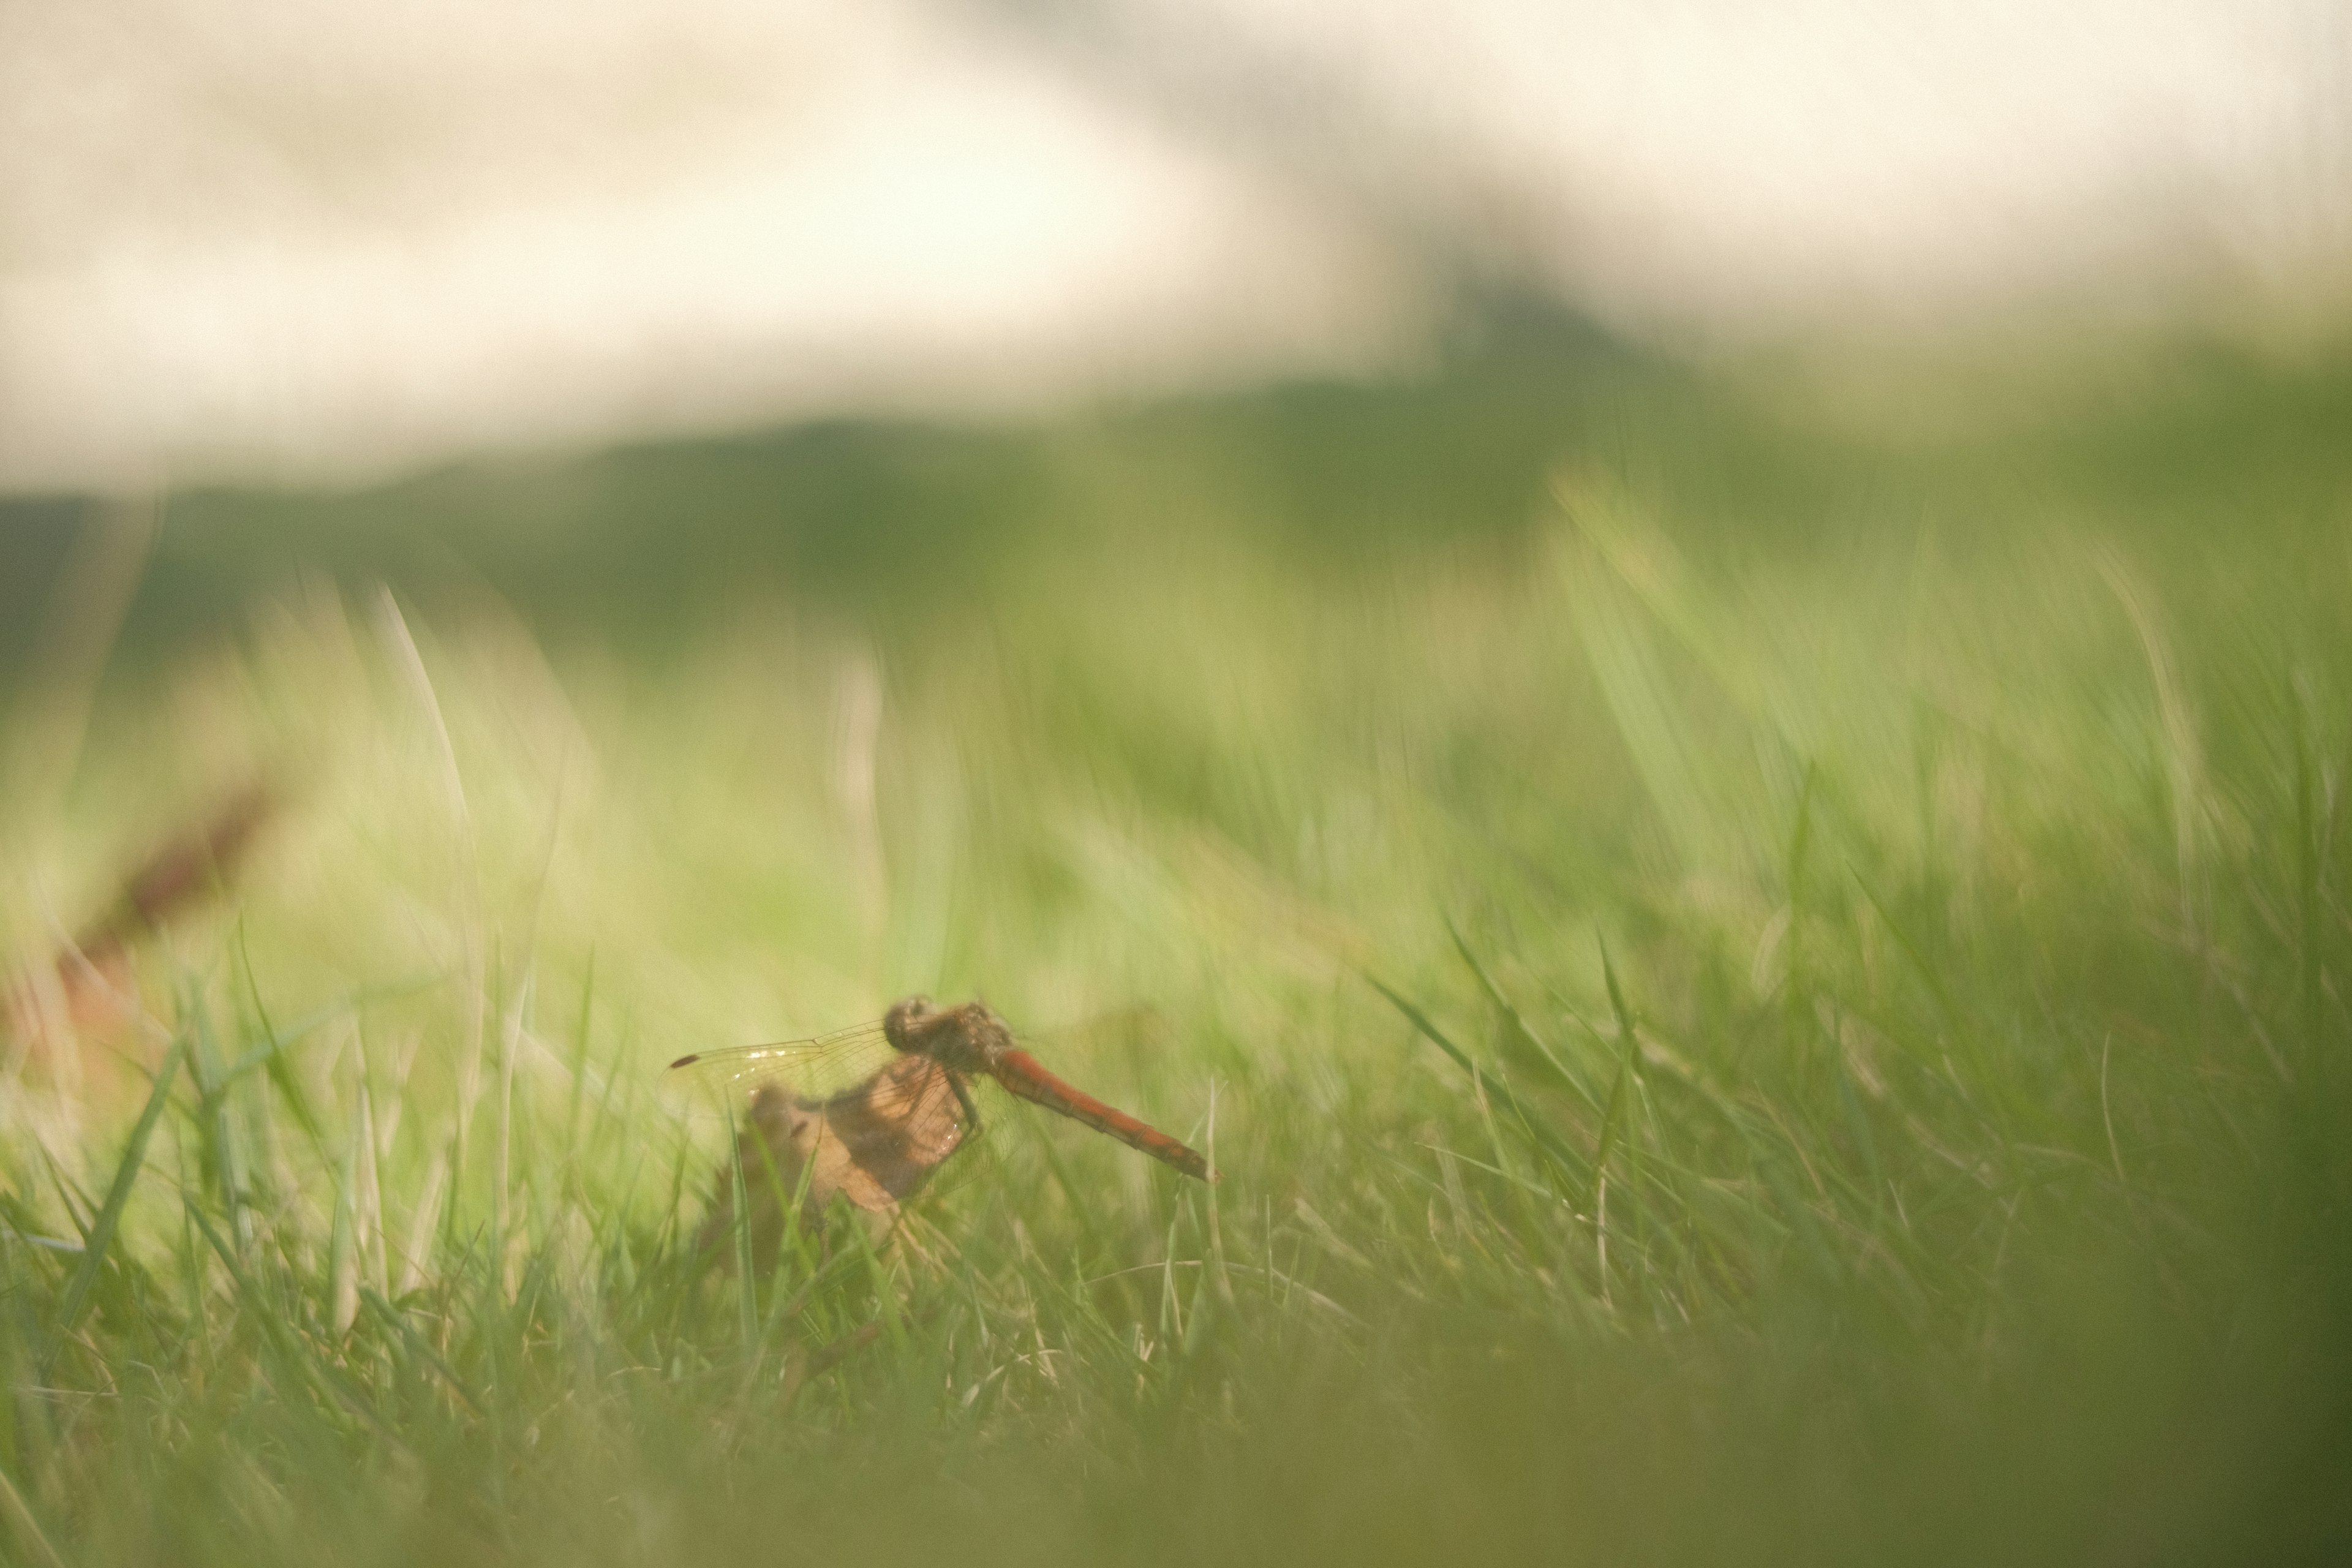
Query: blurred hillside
[886, 522]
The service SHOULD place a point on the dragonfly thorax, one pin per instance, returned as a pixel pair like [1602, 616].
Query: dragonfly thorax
[966, 1040]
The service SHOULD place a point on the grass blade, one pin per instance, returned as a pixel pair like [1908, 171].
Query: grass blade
[747, 1285]
[109, 1214]
[1519, 1027]
[1631, 1048]
[1548, 1140]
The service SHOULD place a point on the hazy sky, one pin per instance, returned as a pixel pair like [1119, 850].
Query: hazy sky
[306, 239]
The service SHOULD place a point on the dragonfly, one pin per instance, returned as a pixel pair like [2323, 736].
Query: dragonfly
[869, 1114]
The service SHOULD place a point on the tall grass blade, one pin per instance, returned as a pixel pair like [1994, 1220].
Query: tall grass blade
[102, 1229]
[747, 1284]
[1628, 1053]
[1540, 1131]
[1516, 1022]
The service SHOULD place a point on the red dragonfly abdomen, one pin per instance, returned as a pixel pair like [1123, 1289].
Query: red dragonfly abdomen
[1024, 1075]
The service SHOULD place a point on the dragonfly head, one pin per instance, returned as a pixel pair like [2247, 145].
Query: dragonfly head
[966, 1040]
[905, 1023]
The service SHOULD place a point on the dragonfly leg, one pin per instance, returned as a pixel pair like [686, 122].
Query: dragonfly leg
[963, 1099]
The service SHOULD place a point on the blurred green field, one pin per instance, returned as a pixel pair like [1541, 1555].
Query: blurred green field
[1762, 957]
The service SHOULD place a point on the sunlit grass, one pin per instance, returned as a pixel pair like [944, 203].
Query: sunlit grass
[1817, 1050]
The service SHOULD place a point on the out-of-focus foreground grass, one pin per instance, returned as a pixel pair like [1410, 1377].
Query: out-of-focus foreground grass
[1759, 996]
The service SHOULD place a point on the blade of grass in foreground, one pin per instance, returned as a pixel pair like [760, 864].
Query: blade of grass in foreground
[1548, 1140]
[102, 1230]
[27, 1526]
[1519, 1027]
[1631, 1054]
[747, 1286]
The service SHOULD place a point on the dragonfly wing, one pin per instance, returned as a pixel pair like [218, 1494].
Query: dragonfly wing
[846, 1115]
[807, 1070]
[878, 1143]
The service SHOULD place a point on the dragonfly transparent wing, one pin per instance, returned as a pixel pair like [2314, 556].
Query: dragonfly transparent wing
[809, 1069]
[844, 1115]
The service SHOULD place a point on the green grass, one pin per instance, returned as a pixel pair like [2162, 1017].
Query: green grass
[1793, 1020]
